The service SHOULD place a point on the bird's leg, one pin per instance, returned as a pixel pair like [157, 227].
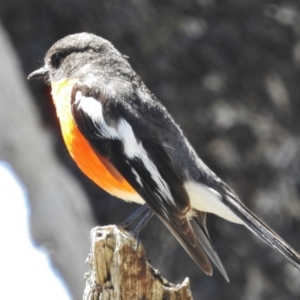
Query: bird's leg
[144, 221]
[125, 224]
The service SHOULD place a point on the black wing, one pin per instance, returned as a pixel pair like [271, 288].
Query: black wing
[138, 155]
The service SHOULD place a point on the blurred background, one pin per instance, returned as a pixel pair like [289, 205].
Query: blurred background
[228, 72]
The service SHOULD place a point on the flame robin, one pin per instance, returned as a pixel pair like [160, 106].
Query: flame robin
[124, 140]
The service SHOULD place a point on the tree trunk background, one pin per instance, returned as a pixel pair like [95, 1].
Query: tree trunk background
[229, 73]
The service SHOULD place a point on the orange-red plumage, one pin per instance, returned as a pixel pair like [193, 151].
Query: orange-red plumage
[97, 168]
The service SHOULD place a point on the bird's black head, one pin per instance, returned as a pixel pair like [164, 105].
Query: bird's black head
[74, 54]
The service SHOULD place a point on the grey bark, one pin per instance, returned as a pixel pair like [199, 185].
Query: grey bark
[60, 216]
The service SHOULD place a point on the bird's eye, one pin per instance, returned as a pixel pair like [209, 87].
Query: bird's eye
[57, 59]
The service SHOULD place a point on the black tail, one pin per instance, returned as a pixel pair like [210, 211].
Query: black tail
[262, 230]
[199, 226]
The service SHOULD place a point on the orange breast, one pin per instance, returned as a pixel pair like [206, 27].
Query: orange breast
[94, 166]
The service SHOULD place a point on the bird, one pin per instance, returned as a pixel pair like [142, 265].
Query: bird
[123, 139]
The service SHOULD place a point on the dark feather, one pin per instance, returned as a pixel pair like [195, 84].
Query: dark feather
[262, 230]
[172, 212]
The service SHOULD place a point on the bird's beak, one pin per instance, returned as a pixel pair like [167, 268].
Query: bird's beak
[40, 73]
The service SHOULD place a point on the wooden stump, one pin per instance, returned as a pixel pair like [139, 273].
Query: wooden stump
[119, 270]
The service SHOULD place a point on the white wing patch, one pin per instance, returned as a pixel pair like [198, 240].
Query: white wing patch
[122, 131]
[134, 148]
[94, 109]
[208, 200]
